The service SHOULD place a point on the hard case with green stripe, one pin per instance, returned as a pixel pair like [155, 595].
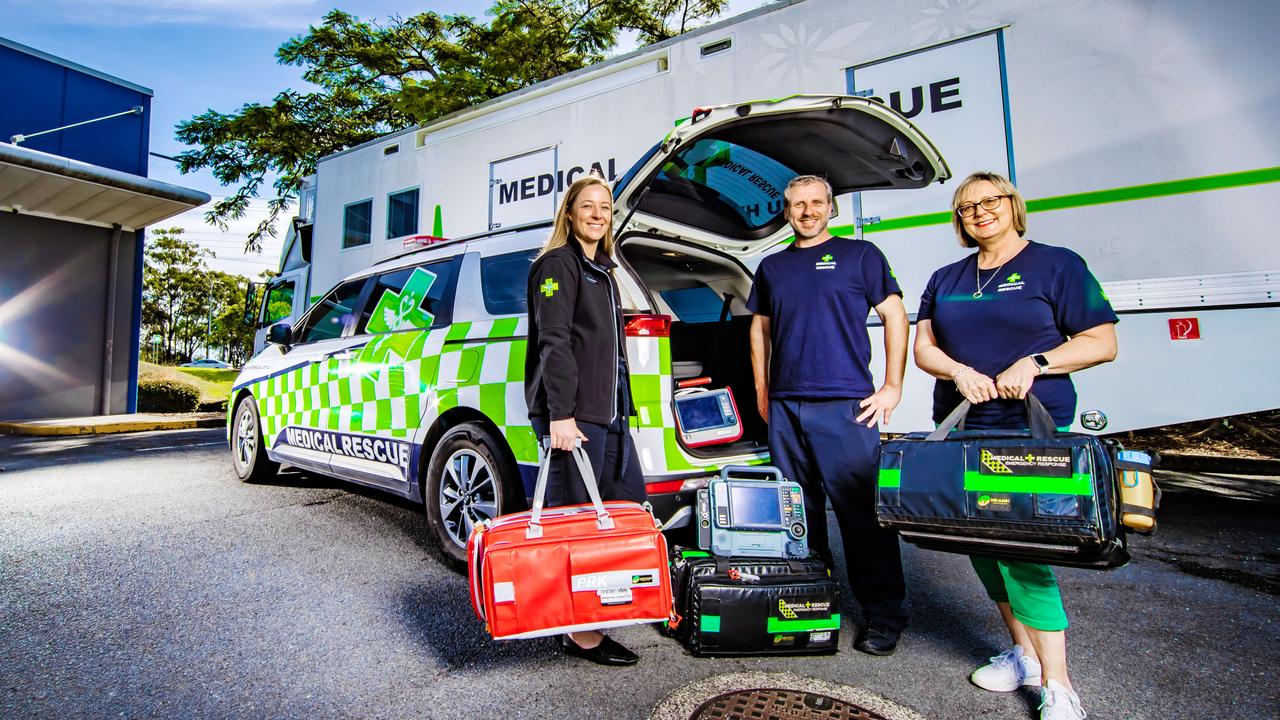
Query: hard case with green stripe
[771, 607]
[1050, 498]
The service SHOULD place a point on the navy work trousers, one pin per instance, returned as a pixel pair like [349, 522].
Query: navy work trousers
[613, 459]
[818, 444]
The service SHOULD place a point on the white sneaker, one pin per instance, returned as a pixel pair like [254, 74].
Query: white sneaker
[1059, 703]
[1007, 672]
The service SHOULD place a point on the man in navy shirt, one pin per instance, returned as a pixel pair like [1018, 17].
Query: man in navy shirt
[810, 352]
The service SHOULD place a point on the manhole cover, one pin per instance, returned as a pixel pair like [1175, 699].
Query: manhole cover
[774, 704]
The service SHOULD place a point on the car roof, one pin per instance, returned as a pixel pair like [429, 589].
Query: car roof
[493, 242]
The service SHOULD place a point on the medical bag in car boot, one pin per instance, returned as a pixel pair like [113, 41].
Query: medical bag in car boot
[1037, 495]
[755, 606]
[567, 569]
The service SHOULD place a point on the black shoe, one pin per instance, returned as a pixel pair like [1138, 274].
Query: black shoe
[878, 640]
[608, 652]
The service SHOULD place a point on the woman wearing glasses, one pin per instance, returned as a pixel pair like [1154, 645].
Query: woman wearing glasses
[1014, 317]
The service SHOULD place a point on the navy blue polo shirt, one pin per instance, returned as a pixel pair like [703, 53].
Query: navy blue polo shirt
[1043, 295]
[817, 299]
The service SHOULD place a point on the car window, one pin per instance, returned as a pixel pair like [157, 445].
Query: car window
[412, 298]
[279, 303]
[738, 182]
[333, 313]
[697, 304]
[504, 280]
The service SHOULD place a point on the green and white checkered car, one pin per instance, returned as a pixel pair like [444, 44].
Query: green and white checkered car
[409, 376]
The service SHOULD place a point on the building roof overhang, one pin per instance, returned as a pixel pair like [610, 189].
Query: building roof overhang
[45, 185]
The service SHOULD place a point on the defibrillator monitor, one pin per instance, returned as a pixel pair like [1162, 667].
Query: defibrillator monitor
[707, 417]
[754, 507]
[752, 512]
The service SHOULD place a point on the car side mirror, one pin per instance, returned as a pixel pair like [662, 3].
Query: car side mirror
[281, 334]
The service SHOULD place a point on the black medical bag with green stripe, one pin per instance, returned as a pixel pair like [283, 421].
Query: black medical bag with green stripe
[754, 606]
[1037, 495]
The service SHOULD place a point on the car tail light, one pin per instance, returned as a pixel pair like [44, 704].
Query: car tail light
[665, 486]
[647, 325]
[671, 486]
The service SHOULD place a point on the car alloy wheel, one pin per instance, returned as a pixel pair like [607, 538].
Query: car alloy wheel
[467, 494]
[246, 439]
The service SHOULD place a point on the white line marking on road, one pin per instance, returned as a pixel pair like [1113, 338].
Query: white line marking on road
[184, 445]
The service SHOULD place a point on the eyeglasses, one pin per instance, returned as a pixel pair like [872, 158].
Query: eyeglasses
[990, 202]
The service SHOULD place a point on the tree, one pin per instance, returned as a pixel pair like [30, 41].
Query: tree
[373, 78]
[174, 272]
[230, 332]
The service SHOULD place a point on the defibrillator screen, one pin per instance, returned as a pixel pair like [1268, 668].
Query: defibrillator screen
[700, 413]
[754, 506]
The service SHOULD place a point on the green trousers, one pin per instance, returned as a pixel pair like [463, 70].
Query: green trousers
[1030, 589]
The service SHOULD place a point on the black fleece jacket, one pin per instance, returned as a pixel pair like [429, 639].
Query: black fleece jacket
[571, 366]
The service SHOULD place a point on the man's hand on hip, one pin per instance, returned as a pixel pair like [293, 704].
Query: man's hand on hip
[879, 407]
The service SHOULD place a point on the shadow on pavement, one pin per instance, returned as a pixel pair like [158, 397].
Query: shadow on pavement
[439, 616]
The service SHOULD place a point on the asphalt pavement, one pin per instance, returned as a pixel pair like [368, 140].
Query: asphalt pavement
[139, 578]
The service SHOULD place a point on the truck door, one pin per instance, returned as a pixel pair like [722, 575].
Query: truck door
[285, 299]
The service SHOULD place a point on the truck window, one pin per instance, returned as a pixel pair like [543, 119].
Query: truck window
[402, 213]
[279, 303]
[413, 298]
[504, 280]
[357, 223]
[333, 313]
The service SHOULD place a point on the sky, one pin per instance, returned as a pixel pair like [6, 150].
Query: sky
[197, 55]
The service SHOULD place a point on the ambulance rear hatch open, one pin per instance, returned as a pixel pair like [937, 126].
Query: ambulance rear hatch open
[708, 201]
[717, 179]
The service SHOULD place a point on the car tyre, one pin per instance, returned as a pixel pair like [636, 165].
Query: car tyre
[469, 479]
[248, 451]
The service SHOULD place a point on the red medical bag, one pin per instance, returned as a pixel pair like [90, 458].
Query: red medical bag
[567, 569]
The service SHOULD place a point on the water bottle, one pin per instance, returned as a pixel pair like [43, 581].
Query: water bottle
[1137, 490]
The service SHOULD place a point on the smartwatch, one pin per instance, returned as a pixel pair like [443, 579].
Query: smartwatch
[1042, 362]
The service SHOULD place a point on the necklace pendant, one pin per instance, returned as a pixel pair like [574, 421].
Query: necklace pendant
[977, 295]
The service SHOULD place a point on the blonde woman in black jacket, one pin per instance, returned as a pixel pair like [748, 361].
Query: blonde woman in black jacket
[576, 382]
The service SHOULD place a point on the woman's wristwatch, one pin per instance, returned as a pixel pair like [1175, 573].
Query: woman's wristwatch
[1042, 362]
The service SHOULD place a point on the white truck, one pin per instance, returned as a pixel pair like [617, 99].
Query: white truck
[1142, 135]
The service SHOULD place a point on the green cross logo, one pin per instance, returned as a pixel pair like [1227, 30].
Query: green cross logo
[828, 257]
[403, 310]
[549, 287]
[398, 311]
[1014, 278]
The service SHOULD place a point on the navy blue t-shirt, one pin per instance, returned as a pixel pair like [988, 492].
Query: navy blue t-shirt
[817, 299]
[1044, 294]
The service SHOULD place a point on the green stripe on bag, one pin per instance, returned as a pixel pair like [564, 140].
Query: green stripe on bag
[780, 626]
[1077, 484]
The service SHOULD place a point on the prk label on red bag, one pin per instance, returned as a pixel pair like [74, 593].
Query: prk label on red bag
[1039, 462]
[591, 582]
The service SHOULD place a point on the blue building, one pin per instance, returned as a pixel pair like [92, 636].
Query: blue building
[73, 206]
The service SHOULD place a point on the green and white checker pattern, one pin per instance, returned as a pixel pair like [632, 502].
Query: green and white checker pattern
[486, 372]
[377, 391]
[400, 382]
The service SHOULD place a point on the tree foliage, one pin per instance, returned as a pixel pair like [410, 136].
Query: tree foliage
[372, 78]
[190, 306]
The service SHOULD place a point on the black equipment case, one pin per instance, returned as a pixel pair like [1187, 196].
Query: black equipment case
[1040, 495]
[754, 606]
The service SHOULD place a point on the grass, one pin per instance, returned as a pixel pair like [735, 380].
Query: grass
[214, 384]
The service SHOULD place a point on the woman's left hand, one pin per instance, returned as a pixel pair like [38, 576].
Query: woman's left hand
[1015, 382]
